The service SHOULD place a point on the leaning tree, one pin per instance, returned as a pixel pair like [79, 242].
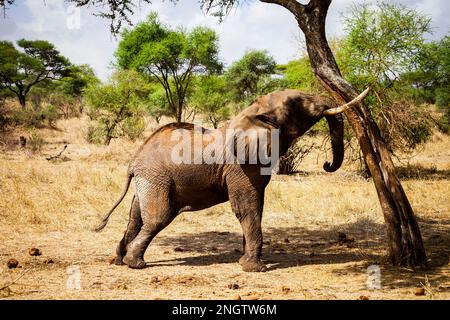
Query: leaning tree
[405, 240]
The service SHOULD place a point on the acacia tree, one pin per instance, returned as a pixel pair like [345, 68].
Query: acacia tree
[405, 241]
[382, 46]
[382, 43]
[211, 98]
[117, 106]
[432, 77]
[249, 76]
[40, 62]
[171, 57]
[157, 105]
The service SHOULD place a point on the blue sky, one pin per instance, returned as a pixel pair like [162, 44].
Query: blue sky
[254, 25]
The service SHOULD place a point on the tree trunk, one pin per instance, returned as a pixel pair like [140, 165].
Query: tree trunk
[179, 113]
[405, 240]
[22, 100]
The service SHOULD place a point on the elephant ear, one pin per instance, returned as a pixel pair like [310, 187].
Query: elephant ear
[250, 132]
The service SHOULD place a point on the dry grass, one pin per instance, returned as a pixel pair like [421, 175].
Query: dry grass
[53, 206]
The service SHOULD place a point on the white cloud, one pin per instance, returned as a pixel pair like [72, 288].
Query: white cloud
[252, 25]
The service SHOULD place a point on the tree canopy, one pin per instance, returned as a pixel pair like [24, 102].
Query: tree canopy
[169, 56]
[431, 78]
[298, 75]
[117, 104]
[249, 76]
[211, 98]
[382, 42]
[38, 61]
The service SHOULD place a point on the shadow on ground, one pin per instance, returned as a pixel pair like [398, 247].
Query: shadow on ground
[412, 172]
[422, 173]
[286, 247]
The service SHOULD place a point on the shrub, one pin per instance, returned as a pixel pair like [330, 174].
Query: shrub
[133, 127]
[35, 141]
[443, 123]
[404, 125]
[95, 134]
[291, 160]
[50, 114]
[5, 116]
[116, 102]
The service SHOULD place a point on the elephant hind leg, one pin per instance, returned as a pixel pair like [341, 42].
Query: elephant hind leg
[133, 228]
[157, 213]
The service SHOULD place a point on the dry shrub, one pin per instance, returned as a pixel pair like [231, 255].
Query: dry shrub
[95, 135]
[296, 153]
[67, 106]
[35, 141]
[404, 125]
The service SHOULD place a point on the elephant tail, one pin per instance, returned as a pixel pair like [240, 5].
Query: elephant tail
[124, 192]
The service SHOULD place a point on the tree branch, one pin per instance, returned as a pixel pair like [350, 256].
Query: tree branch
[297, 9]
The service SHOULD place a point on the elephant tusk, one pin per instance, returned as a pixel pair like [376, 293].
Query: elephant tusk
[340, 109]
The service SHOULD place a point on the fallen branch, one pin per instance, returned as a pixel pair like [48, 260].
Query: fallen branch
[58, 155]
[15, 280]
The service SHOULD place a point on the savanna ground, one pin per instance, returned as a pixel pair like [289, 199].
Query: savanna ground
[54, 205]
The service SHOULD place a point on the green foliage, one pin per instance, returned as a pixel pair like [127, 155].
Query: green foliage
[250, 76]
[299, 75]
[38, 61]
[117, 106]
[119, 10]
[384, 48]
[430, 81]
[80, 77]
[219, 8]
[443, 123]
[381, 42]
[170, 57]
[133, 127]
[34, 117]
[157, 105]
[50, 113]
[210, 97]
[5, 112]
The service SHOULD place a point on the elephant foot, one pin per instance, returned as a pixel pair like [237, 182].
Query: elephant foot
[134, 263]
[252, 265]
[118, 261]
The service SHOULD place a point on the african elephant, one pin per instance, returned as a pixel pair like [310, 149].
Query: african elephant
[164, 188]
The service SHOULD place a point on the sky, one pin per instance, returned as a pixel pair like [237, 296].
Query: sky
[84, 38]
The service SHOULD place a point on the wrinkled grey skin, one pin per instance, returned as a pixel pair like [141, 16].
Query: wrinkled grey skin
[165, 189]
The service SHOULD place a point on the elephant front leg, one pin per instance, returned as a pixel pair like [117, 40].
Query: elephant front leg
[249, 213]
[251, 260]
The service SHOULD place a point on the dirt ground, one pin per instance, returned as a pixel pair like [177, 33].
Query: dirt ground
[53, 206]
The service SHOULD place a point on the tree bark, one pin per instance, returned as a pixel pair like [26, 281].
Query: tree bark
[179, 113]
[405, 240]
[22, 100]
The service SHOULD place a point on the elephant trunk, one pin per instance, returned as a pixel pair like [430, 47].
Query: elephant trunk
[336, 126]
[335, 122]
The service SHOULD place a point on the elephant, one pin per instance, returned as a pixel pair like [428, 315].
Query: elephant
[164, 189]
